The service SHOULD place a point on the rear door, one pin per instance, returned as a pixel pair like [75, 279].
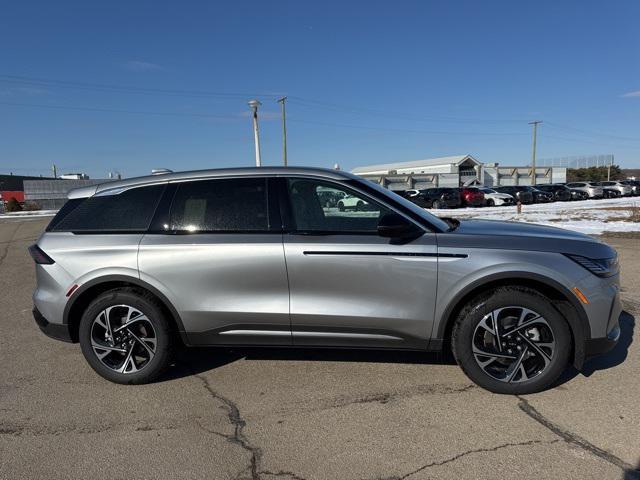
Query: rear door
[216, 252]
[348, 285]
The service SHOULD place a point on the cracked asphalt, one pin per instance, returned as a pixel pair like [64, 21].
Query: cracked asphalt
[303, 414]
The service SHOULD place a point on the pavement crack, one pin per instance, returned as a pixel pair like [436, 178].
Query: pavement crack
[477, 450]
[572, 438]
[238, 423]
[288, 475]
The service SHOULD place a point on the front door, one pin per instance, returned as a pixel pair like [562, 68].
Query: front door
[348, 285]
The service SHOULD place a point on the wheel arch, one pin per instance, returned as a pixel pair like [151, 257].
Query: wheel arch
[84, 294]
[563, 300]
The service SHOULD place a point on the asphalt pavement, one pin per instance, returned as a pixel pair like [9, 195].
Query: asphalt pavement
[303, 414]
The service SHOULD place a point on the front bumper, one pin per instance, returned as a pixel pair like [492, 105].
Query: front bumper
[599, 346]
[53, 330]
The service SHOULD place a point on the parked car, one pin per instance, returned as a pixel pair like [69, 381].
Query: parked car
[494, 198]
[625, 190]
[329, 198]
[350, 202]
[133, 268]
[578, 194]
[471, 197]
[439, 197]
[560, 192]
[590, 188]
[540, 196]
[634, 184]
[610, 192]
[519, 193]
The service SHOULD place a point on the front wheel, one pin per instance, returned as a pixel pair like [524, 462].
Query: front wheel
[125, 337]
[511, 340]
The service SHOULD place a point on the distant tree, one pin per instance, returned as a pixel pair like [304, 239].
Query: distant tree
[13, 205]
[594, 174]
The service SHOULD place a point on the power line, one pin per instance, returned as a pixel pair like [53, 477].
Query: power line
[436, 132]
[390, 114]
[114, 110]
[228, 117]
[44, 82]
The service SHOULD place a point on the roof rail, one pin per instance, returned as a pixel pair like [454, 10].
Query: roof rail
[160, 171]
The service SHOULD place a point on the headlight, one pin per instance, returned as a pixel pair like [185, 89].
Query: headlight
[602, 267]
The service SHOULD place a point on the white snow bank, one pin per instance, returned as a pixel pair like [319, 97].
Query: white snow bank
[589, 216]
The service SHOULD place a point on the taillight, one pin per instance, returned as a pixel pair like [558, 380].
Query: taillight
[39, 256]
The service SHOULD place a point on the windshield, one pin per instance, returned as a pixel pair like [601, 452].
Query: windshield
[436, 221]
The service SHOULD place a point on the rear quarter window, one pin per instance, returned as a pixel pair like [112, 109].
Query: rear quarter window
[125, 212]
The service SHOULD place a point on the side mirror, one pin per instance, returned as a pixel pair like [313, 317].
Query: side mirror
[397, 228]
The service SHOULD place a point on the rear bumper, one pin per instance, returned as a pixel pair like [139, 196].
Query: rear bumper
[53, 330]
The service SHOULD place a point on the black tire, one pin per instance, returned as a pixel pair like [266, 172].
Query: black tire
[147, 305]
[359, 206]
[341, 206]
[473, 313]
[491, 203]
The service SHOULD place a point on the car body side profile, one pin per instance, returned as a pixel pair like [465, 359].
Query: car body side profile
[255, 256]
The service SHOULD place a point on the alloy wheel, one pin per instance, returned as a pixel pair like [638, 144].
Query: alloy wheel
[123, 339]
[513, 344]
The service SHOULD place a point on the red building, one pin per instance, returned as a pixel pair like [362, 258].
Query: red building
[6, 195]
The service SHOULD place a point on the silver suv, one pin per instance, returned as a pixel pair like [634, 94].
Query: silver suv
[133, 268]
[590, 188]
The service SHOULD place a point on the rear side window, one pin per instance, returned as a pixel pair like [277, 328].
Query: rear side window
[66, 209]
[221, 205]
[125, 212]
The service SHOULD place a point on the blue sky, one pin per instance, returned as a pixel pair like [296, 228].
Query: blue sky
[128, 86]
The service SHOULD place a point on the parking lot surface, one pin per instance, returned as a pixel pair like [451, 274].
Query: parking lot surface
[303, 414]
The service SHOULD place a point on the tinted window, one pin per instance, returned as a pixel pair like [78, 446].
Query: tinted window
[128, 211]
[351, 213]
[66, 209]
[222, 205]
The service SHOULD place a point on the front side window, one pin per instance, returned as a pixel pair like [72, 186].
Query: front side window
[318, 206]
[221, 205]
[116, 212]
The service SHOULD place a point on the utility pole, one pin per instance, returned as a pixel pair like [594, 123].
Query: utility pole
[254, 104]
[284, 130]
[533, 153]
[55, 171]
[609, 169]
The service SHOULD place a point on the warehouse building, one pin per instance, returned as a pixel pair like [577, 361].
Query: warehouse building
[455, 171]
[52, 194]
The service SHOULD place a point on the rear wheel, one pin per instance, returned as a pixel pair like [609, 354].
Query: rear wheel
[491, 203]
[125, 337]
[511, 341]
[341, 206]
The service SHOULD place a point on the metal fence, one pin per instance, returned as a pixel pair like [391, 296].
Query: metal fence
[578, 161]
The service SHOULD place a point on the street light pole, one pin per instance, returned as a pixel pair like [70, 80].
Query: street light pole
[284, 130]
[533, 153]
[254, 104]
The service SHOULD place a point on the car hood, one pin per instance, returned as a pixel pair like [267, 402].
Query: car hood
[523, 236]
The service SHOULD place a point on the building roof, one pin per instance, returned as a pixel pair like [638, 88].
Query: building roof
[213, 173]
[428, 162]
